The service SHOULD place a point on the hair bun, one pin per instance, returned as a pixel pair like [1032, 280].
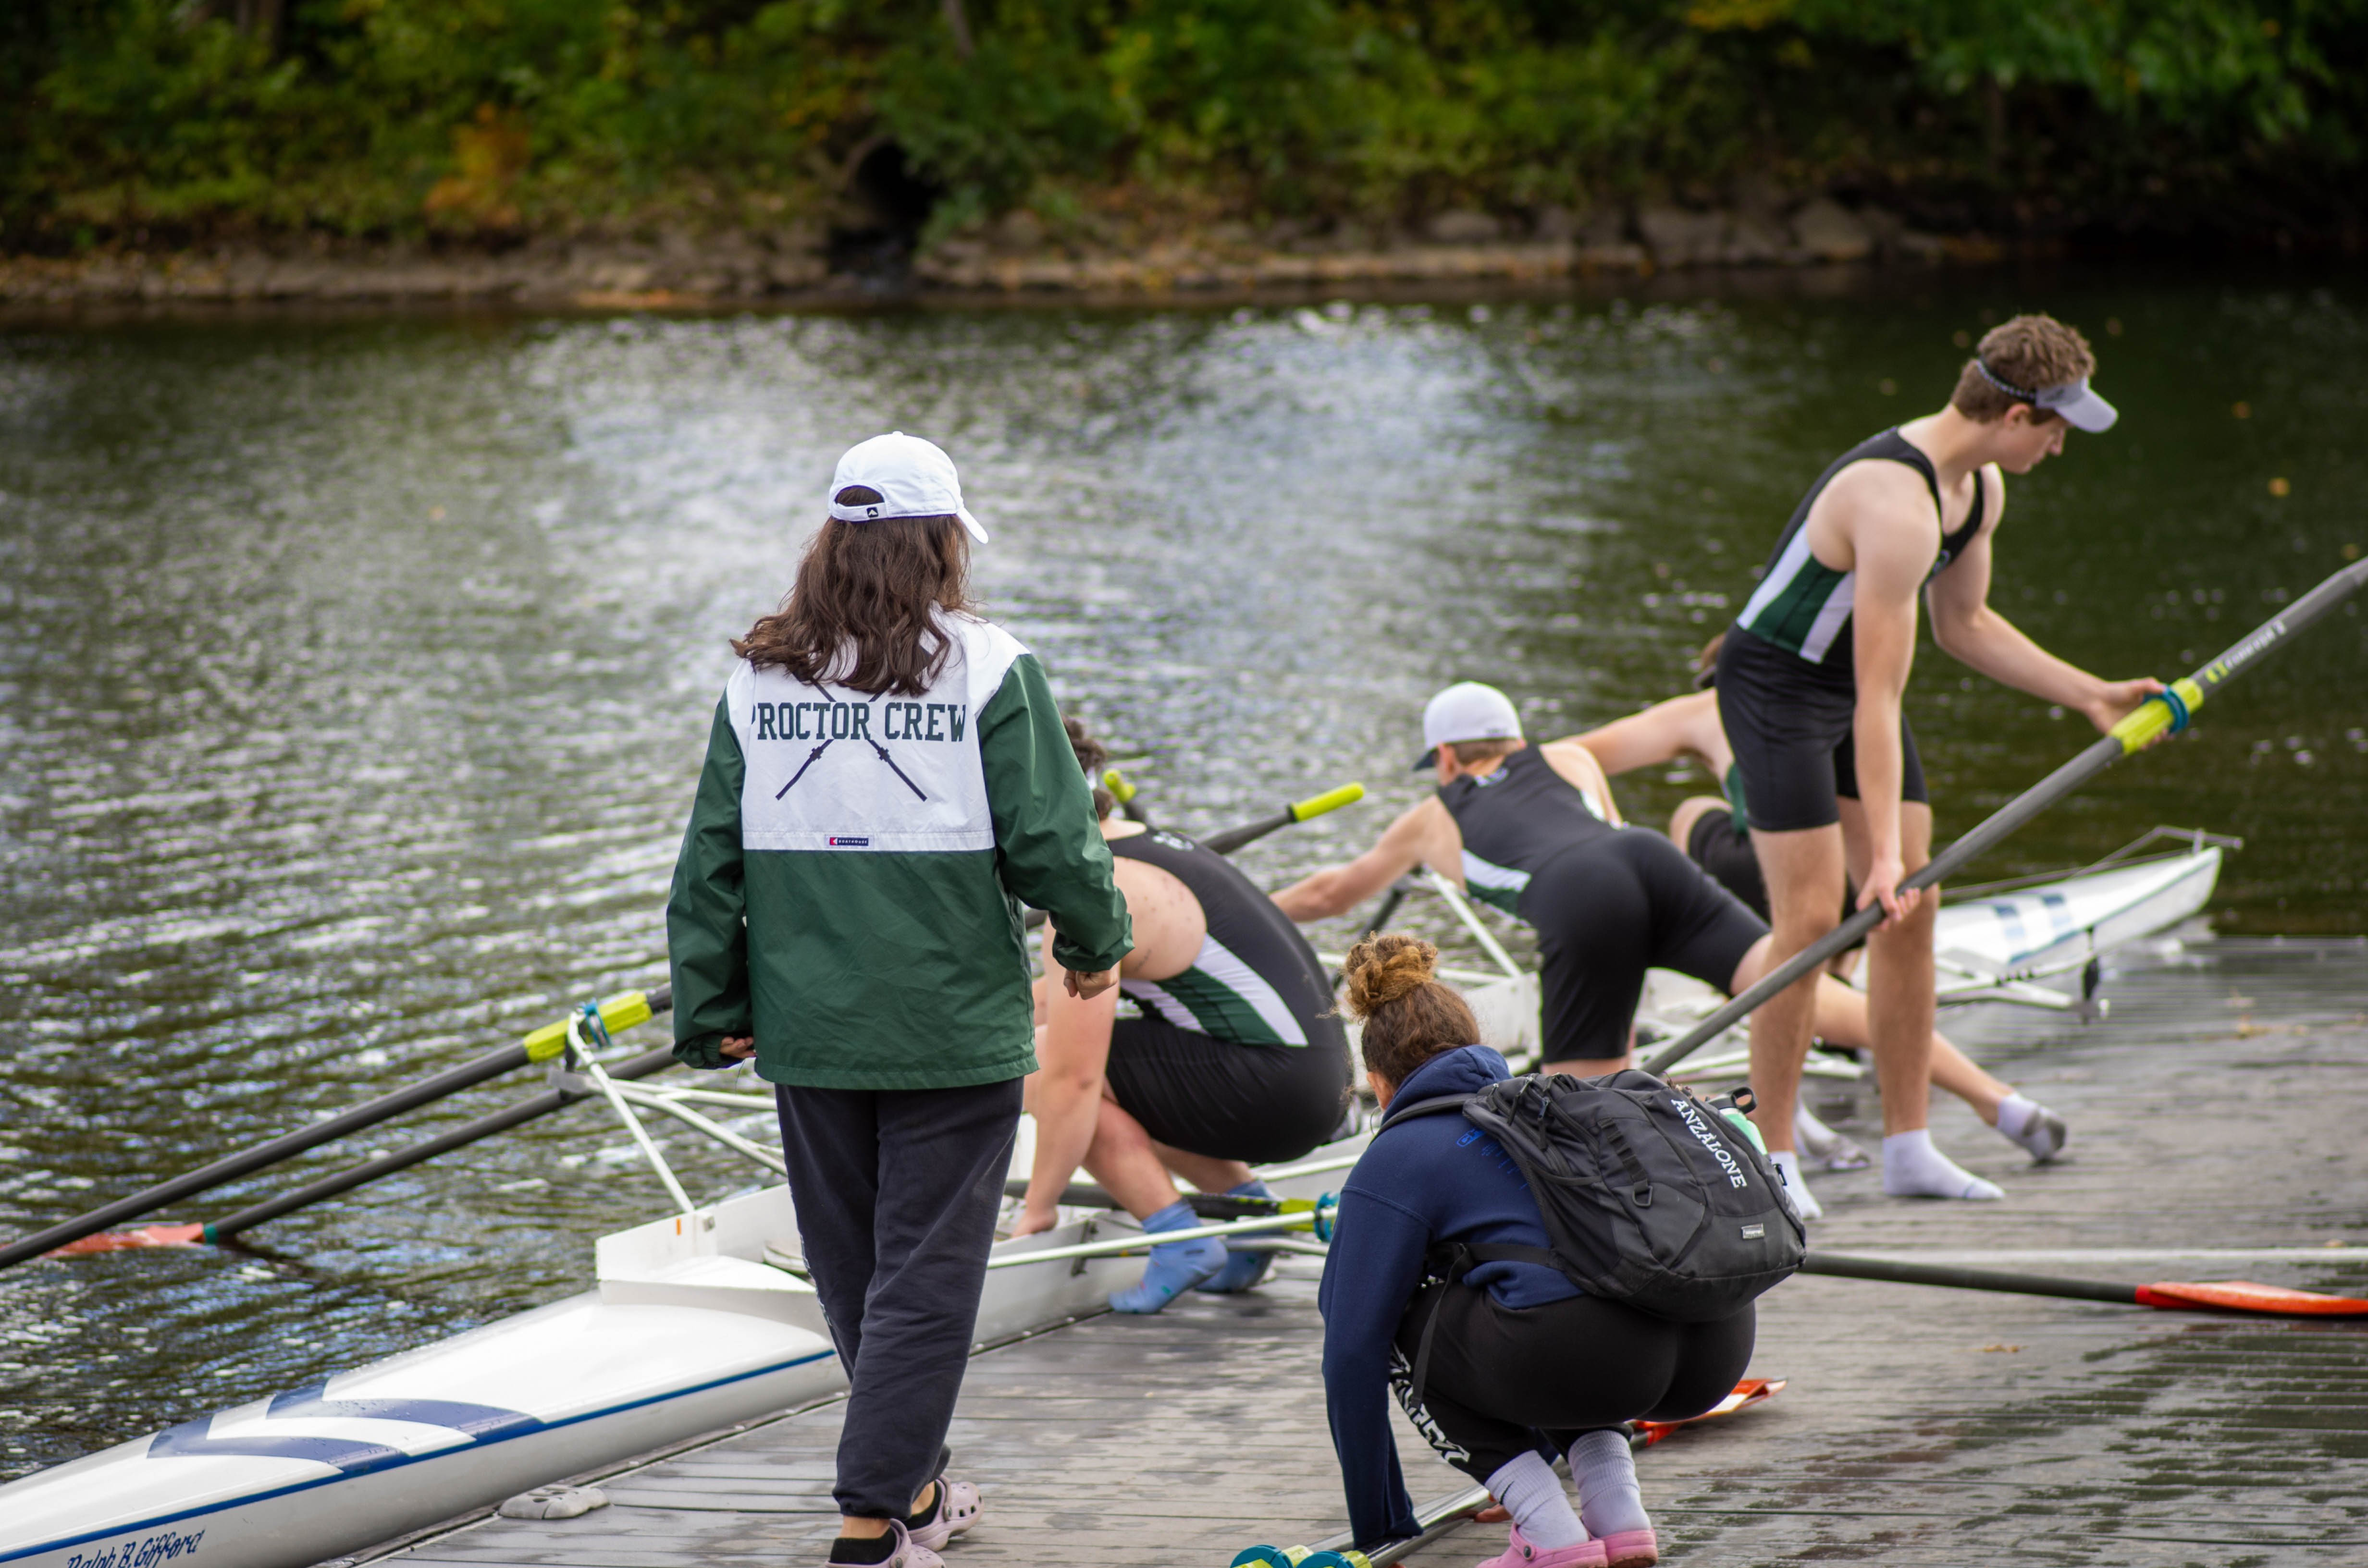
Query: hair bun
[1383, 969]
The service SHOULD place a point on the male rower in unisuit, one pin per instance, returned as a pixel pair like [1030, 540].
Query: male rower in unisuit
[885, 777]
[1810, 681]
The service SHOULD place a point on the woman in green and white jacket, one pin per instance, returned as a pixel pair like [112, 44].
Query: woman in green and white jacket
[886, 780]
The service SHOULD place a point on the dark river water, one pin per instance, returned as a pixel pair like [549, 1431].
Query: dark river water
[354, 674]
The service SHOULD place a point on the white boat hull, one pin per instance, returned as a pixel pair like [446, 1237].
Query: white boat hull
[690, 1331]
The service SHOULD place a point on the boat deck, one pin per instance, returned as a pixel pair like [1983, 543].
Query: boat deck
[2220, 1108]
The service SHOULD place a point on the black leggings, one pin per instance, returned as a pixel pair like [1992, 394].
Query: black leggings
[1508, 1380]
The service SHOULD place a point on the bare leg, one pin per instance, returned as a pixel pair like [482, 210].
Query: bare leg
[1842, 1020]
[1592, 1066]
[1899, 975]
[1803, 872]
[1123, 1159]
[1207, 1174]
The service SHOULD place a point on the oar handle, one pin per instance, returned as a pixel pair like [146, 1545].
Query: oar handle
[1297, 812]
[2152, 717]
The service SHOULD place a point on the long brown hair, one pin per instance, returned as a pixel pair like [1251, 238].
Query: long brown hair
[1409, 1016]
[862, 614]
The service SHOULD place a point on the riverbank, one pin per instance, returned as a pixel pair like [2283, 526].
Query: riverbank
[685, 269]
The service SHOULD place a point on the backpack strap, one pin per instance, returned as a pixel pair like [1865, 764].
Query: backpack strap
[1438, 1106]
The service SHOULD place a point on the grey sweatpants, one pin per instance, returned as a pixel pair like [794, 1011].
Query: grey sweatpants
[896, 1192]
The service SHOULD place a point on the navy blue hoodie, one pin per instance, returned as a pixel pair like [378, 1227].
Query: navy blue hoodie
[1437, 1179]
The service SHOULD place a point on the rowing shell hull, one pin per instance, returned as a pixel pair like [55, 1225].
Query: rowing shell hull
[700, 1323]
[285, 1481]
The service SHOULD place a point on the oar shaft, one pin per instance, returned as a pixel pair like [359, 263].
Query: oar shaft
[459, 1137]
[2151, 719]
[1893, 1271]
[247, 1162]
[537, 1047]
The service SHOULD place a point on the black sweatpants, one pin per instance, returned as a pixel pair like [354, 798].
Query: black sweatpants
[896, 1192]
[1508, 1380]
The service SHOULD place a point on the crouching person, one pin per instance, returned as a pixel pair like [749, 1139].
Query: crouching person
[1519, 1364]
[887, 773]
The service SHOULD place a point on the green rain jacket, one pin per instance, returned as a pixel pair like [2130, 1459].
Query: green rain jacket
[849, 888]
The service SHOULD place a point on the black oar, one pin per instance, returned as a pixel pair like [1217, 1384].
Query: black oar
[1226, 843]
[1316, 806]
[2220, 1295]
[544, 1044]
[2167, 713]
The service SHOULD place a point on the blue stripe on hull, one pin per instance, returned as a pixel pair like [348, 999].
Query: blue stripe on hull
[496, 1435]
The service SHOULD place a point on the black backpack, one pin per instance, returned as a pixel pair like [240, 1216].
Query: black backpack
[1649, 1196]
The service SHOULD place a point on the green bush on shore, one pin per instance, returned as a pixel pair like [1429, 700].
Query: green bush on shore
[156, 120]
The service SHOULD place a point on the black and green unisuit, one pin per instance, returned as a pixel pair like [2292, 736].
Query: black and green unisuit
[849, 887]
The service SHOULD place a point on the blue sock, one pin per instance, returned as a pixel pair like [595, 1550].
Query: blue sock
[1175, 1267]
[1243, 1270]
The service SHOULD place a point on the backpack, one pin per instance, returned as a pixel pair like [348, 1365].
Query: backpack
[1648, 1195]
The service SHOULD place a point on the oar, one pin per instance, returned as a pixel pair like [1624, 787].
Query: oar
[543, 1045]
[1298, 1214]
[1124, 793]
[2169, 713]
[1226, 843]
[1299, 811]
[2219, 1295]
[1448, 1513]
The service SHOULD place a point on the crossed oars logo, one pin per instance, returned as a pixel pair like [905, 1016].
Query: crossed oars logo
[811, 756]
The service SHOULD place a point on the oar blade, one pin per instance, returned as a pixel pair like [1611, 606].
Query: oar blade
[132, 1240]
[1748, 1392]
[2244, 1296]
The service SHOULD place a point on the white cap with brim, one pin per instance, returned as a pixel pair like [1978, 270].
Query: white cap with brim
[1466, 712]
[2081, 408]
[913, 478]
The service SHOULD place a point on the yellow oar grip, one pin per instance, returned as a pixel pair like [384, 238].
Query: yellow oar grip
[2169, 712]
[622, 1011]
[1330, 801]
[1121, 790]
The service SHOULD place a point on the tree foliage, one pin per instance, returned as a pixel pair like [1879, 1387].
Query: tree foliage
[377, 117]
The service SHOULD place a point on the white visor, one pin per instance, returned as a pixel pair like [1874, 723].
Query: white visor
[1466, 712]
[913, 478]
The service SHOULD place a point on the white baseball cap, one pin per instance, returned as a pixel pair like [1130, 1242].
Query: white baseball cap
[1466, 712]
[2081, 408]
[914, 479]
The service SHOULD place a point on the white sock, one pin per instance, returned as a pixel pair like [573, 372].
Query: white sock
[1605, 1473]
[1796, 1191]
[1532, 1493]
[2032, 1125]
[1817, 1139]
[1913, 1168]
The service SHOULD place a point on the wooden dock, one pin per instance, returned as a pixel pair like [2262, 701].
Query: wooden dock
[2223, 1106]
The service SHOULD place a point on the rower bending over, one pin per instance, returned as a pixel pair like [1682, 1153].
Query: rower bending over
[1240, 1056]
[1713, 832]
[1810, 680]
[1521, 1363]
[1533, 830]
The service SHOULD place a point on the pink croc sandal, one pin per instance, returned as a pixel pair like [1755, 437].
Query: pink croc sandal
[1630, 1549]
[1520, 1553]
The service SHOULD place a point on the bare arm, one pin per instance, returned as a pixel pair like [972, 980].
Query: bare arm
[1066, 1093]
[1425, 835]
[1893, 529]
[1970, 631]
[1663, 733]
[1579, 769]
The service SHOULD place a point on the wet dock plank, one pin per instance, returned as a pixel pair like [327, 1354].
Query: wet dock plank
[2221, 1107]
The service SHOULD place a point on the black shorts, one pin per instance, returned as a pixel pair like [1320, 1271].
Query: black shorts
[1721, 848]
[1500, 1378]
[1254, 1103]
[1607, 911]
[1790, 732]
